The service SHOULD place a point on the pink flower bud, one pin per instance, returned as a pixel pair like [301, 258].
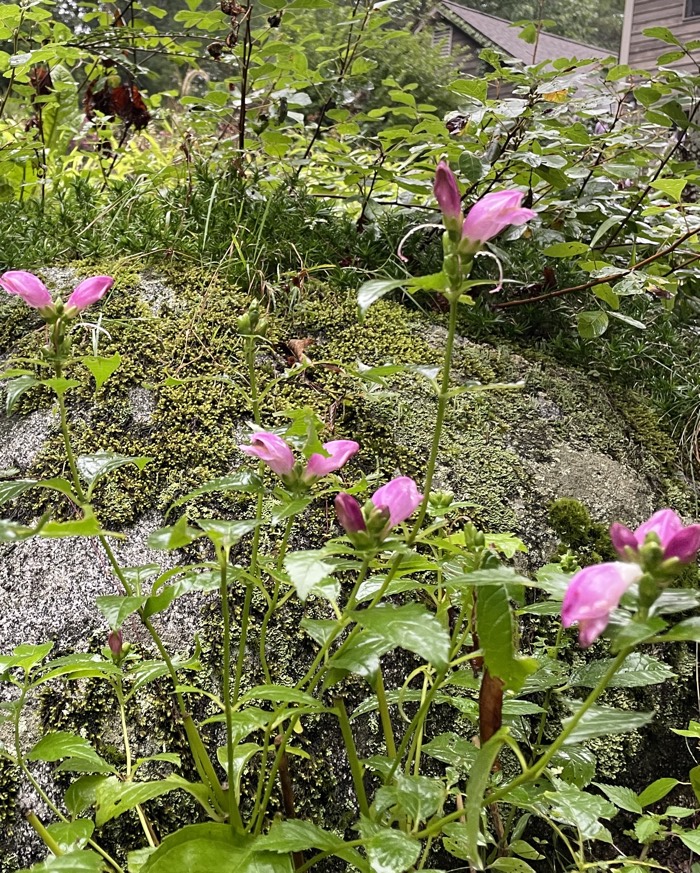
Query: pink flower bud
[400, 496]
[349, 513]
[339, 451]
[89, 291]
[114, 641]
[448, 196]
[665, 524]
[273, 450]
[494, 212]
[592, 595]
[27, 286]
[684, 545]
[622, 537]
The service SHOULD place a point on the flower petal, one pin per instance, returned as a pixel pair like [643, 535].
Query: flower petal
[27, 286]
[89, 291]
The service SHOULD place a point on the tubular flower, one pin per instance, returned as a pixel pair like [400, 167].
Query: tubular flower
[400, 496]
[339, 452]
[492, 214]
[271, 449]
[389, 505]
[448, 197]
[27, 286]
[592, 595]
[89, 291]
[677, 540]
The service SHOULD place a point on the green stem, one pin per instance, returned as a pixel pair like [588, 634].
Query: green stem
[234, 814]
[415, 722]
[273, 774]
[353, 759]
[384, 714]
[67, 444]
[275, 600]
[45, 836]
[443, 400]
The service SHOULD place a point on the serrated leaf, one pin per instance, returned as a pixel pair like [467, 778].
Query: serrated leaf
[637, 671]
[580, 809]
[601, 721]
[244, 480]
[662, 33]
[578, 765]
[175, 537]
[295, 835]
[117, 608]
[225, 534]
[63, 744]
[16, 388]
[93, 467]
[361, 654]
[388, 850]
[623, 798]
[470, 167]
[114, 797]
[412, 627]
[453, 750]
[101, 368]
[307, 569]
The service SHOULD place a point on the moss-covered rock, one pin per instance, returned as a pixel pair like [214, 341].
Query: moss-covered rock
[520, 434]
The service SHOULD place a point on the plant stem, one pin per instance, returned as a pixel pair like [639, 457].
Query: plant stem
[44, 835]
[443, 400]
[384, 714]
[275, 599]
[234, 815]
[353, 759]
[67, 445]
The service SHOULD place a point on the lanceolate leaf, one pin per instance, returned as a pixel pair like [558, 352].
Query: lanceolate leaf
[496, 633]
[244, 480]
[600, 721]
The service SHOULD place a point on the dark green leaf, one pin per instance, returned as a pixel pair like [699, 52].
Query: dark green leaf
[79, 861]
[93, 467]
[116, 608]
[226, 534]
[657, 790]
[479, 777]
[16, 388]
[71, 835]
[601, 721]
[388, 850]
[496, 634]
[453, 750]
[205, 848]
[623, 798]
[361, 654]
[592, 324]
[638, 670]
[298, 836]
[411, 627]
[175, 537]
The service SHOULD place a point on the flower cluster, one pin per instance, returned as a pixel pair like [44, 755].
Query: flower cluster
[35, 294]
[390, 505]
[278, 455]
[659, 547]
[487, 218]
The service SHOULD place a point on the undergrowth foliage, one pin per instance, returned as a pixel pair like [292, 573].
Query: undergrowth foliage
[408, 573]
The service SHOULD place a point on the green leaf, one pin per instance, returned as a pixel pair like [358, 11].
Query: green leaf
[319, 629]
[204, 848]
[117, 608]
[175, 537]
[114, 797]
[592, 324]
[411, 627]
[93, 467]
[452, 749]
[12, 489]
[626, 319]
[578, 765]
[79, 861]
[59, 385]
[80, 795]
[565, 249]
[244, 480]
[657, 790]
[601, 721]
[295, 835]
[419, 797]
[226, 534]
[496, 630]
[637, 671]
[13, 531]
[672, 187]
[579, 809]
[307, 570]
[479, 777]
[605, 293]
[280, 694]
[102, 368]
[470, 167]
[286, 510]
[242, 753]
[512, 865]
[375, 289]
[361, 654]
[135, 860]
[27, 656]
[691, 839]
[80, 755]
[16, 388]
[71, 835]
[662, 33]
[388, 850]
[687, 630]
[695, 781]
[623, 798]
[88, 526]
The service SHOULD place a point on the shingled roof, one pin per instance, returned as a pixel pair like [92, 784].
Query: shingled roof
[499, 33]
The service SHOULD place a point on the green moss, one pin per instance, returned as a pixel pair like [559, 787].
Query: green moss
[572, 523]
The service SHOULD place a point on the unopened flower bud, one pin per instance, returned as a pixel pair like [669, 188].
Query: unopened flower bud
[115, 642]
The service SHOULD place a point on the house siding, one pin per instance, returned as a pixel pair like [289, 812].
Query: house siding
[644, 52]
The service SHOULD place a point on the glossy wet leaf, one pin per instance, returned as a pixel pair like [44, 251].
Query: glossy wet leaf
[308, 569]
[601, 721]
[93, 467]
[388, 850]
[412, 627]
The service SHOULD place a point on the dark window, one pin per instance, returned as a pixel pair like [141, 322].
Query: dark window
[692, 8]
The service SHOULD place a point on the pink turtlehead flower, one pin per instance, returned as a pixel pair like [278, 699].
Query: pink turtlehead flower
[592, 595]
[271, 449]
[89, 291]
[448, 197]
[339, 452]
[400, 496]
[27, 286]
[677, 540]
[492, 214]
[349, 513]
